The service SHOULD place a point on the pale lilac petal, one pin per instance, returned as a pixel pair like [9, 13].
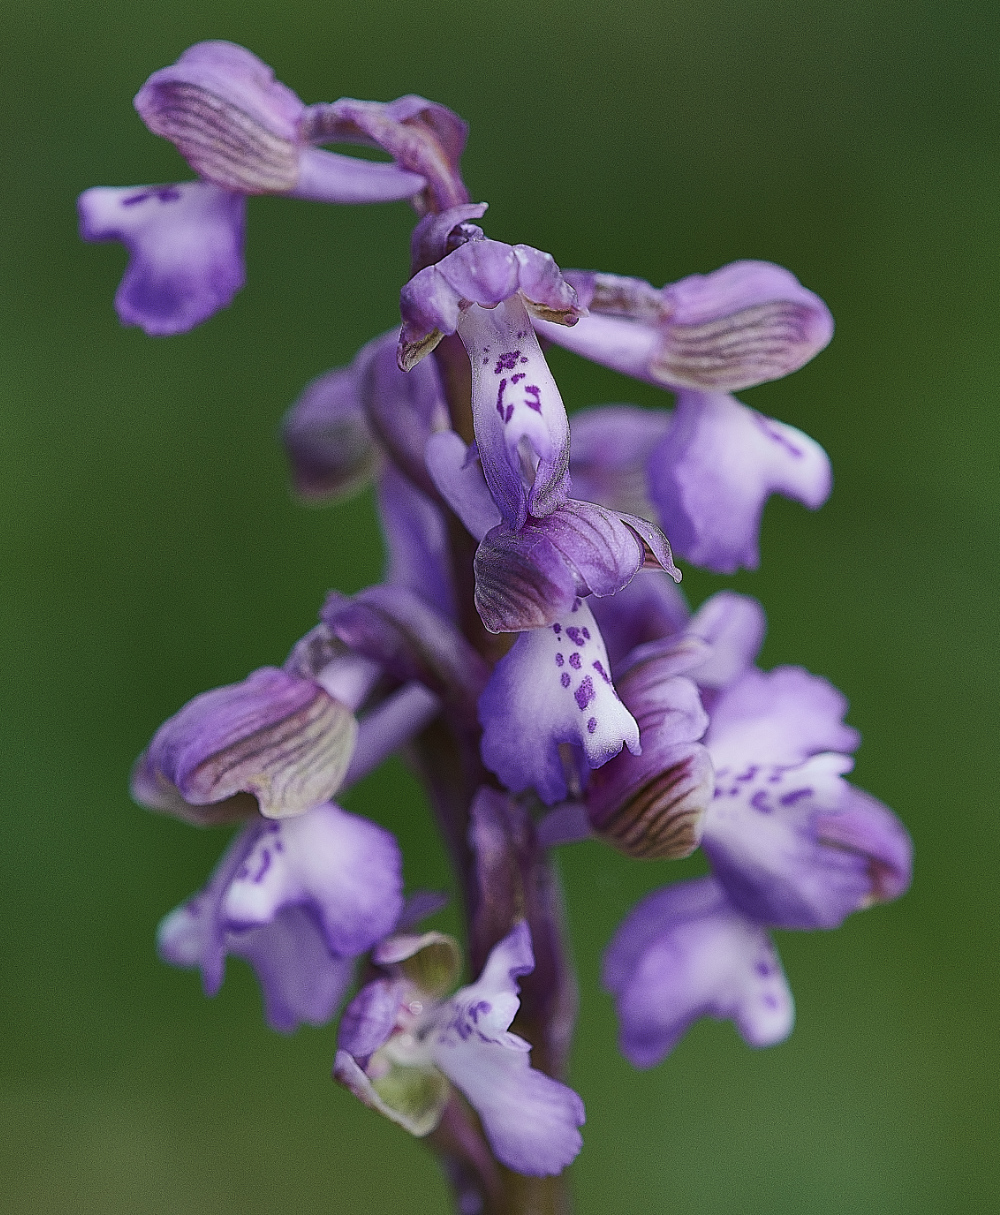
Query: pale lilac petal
[546, 293]
[528, 578]
[611, 341]
[530, 1119]
[744, 324]
[195, 933]
[567, 823]
[553, 687]
[778, 717]
[185, 245]
[416, 541]
[610, 450]
[389, 726]
[733, 626]
[650, 805]
[348, 678]
[458, 475]
[761, 834]
[330, 177]
[421, 136]
[344, 868]
[277, 738]
[330, 446]
[683, 953]
[404, 408]
[302, 982]
[370, 1018]
[863, 825]
[442, 232]
[649, 608]
[711, 474]
[396, 628]
[230, 119]
[520, 421]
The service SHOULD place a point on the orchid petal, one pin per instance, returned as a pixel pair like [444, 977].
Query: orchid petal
[684, 953]
[778, 717]
[610, 451]
[711, 474]
[280, 739]
[553, 687]
[733, 626]
[530, 1119]
[530, 577]
[185, 245]
[344, 868]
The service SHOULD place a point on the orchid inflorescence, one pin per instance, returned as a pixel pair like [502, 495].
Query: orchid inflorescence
[528, 651]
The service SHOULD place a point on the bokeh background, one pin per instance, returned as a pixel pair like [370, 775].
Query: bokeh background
[150, 550]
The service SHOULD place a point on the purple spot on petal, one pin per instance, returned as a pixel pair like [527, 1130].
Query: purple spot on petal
[585, 693]
[557, 629]
[509, 414]
[136, 198]
[777, 437]
[564, 679]
[265, 865]
[763, 968]
[575, 635]
[531, 391]
[795, 796]
[770, 1002]
[574, 661]
[759, 802]
[560, 661]
[507, 362]
[591, 725]
[503, 385]
[514, 378]
[750, 773]
[586, 633]
[576, 604]
[599, 668]
[523, 360]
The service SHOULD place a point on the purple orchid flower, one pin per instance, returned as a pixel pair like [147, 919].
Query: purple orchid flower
[683, 953]
[298, 899]
[790, 842]
[401, 1042]
[243, 132]
[553, 688]
[706, 473]
[547, 549]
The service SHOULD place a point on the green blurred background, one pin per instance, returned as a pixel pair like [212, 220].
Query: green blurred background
[151, 550]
